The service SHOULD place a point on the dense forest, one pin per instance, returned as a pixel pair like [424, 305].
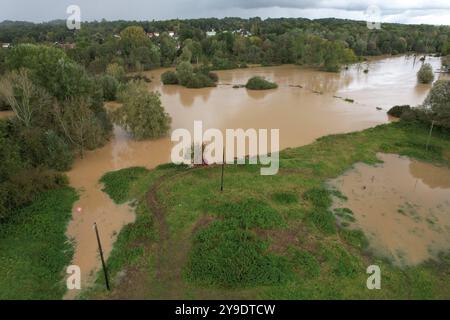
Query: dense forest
[228, 43]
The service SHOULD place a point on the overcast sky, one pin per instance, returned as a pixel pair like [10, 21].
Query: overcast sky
[402, 11]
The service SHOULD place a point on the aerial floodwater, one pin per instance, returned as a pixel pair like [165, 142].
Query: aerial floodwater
[307, 105]
[402, 205]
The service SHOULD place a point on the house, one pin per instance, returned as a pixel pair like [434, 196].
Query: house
[171, 34]
[242, 32]
[6, 45]
[153, 34]
[211, 33]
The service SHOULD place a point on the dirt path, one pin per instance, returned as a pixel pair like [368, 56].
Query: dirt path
[170, 254]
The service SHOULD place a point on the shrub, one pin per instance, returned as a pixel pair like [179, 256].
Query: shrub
[397, 111]
[109, 85]
[223, 64]
[60, 156]
[23, 186]
[115, 70]
[213, 76]
[185, 72]
[117, 183]
[259, 83]
[425, 74]
[199, 80]
[446, 62]
[190, 77]
[169, 77]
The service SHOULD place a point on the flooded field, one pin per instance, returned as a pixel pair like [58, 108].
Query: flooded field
[402, 205]
[307, 105]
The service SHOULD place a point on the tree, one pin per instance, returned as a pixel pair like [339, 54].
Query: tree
[168, 49]
[169, 77]
[79, 125]
[438, 101]
[109, 85]
[184, 72]
[138, 49]
[115, 70]
[259, 83]
[50, 68]
[60, 156]
[446, 62]
[425, 74]
[142, 113]
[25, 98]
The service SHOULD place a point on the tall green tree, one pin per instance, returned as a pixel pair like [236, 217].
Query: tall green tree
[142, 113]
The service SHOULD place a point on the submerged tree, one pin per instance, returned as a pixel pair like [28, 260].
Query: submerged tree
[425, 74]
[142, 113]
[438, 101]
[23, 96]
[79, 125]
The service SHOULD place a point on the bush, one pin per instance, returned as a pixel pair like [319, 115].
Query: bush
[185, 72]
[109, 85]
[35, 250]
[425, 74]
[446, 62]
[117, 183]
[115, 70]
[397, 111]
[213, 76]
[223, 64]
[199, 80]
[259, 83]
[23, 186]
[190, 77]
[60, 156]
[169, 77]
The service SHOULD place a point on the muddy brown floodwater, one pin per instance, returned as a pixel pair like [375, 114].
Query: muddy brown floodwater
[307, 105]
[402, 205]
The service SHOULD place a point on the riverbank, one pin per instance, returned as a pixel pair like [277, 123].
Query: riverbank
[303, 114]
[265, 237]
[34, 250]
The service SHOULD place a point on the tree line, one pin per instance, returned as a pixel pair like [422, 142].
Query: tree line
[326, 43]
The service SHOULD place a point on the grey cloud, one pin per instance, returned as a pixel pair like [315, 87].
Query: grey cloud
[397, 10]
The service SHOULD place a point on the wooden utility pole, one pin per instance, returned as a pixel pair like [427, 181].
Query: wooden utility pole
[223, 167]
[429, 136]
[101, 256]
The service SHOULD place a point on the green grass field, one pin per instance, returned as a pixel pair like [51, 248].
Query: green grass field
[34, 249]
[264, 236]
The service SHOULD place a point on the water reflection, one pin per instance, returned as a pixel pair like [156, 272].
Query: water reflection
[433, 176]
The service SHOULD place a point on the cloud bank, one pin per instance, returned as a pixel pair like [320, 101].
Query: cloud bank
[401, 11]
